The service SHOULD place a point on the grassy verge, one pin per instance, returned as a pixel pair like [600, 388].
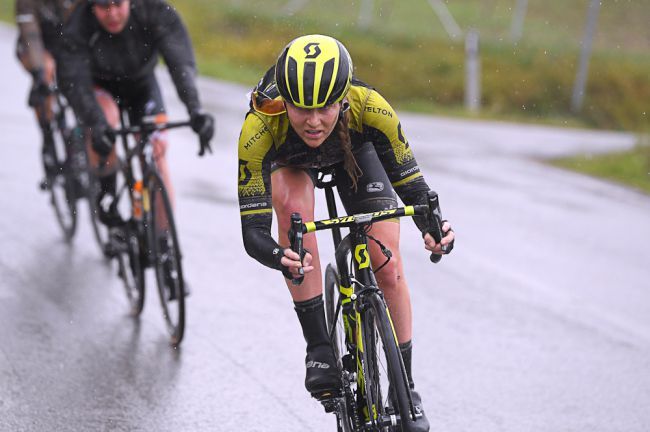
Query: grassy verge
[6, 11]
[416, 66]
[631, 168]
[406, 54]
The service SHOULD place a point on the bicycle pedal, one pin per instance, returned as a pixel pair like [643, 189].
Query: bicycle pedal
[330, 404]
[44, 185]
[325, 396]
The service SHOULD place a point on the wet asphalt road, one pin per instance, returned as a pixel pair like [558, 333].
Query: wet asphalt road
[539, 321]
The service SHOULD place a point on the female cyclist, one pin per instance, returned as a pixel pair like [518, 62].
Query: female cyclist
[309, 113]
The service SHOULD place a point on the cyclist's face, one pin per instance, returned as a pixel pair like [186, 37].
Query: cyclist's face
[113, 16]
[313, 125]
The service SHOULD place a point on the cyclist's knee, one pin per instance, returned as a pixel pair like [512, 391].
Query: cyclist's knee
[160, 145]
[49, 67]
[108, 106]
[390, 276]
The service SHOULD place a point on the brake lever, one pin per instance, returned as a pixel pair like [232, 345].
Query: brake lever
[435, 224]
[295, 238]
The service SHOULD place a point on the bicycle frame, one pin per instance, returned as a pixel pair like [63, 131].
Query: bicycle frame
[357, 288]
[143, 150]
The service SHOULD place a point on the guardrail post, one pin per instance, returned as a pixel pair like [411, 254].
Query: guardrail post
[472, 71]
[581, 76]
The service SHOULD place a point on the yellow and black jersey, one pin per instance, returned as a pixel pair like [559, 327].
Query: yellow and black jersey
[267, 139]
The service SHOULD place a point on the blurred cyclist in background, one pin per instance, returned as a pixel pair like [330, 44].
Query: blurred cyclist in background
[111, 48]
[40, 26]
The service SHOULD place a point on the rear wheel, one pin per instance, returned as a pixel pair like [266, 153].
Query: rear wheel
[336, 329]
[60, 182]
[166, 258]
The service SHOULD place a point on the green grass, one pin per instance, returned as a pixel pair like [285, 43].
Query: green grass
[631, 168]
[6, 10]
[407, 55]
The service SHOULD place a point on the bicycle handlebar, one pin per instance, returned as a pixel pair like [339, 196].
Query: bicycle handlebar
[431, 211]
[150, 127]
[434, 224]
[295, 238]
[141, 128]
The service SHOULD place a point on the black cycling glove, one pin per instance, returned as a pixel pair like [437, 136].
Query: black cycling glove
[203, 124]
[103, 139]
[40, 89]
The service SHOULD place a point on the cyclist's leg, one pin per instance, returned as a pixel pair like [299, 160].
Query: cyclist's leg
[107, 183]
[293, 191]
[43, 111]
[374, 193]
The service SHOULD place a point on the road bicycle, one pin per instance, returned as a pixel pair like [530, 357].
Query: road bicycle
[375, 393]
[145, 236]
[69, 179]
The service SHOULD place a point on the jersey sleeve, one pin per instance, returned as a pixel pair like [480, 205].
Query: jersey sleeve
[74, 70]
[256, 150]
[381, 125]
[173, 41]
[30, 44]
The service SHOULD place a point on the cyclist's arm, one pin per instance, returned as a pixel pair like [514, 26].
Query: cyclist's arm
[74, 69]
[381, 125]
[171, 37]
[30, 49]
[255, 207]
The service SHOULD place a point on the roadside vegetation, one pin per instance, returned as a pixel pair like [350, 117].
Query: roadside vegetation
[631, 168]
[405, 52]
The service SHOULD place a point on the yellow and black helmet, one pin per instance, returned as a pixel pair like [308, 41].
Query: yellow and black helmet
[313, 71]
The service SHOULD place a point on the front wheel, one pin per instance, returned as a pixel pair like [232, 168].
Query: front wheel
[166, 257]
[126, 241]
[385, 385]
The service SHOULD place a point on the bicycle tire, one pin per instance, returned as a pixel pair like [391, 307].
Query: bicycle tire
[332, 296]
[130, 266]
[344, 422]
[87, 185]
[394, 400]
[61, 186]
[166, 263]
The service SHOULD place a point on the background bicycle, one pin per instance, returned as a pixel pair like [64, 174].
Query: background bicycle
[144, 236]
[68, 177]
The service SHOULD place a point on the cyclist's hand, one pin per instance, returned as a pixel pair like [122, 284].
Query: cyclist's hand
[203, 124]
[40, 89]
[291, 261]
[103, 139]
[447, 241]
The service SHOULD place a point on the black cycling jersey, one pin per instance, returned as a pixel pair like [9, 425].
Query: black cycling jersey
[267, 139]
[93, 55]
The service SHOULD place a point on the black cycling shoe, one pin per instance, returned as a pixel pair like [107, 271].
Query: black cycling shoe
[107, 210]
[421, 423]
[322, 379]
[50, 167]
[116, 243]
